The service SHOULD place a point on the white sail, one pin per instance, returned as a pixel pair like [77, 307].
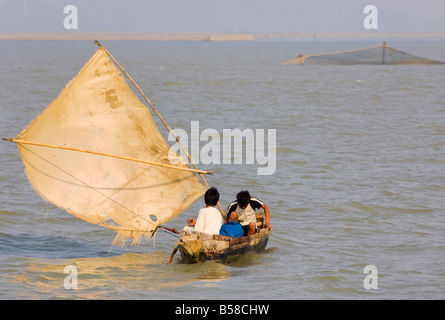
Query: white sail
[98, 111]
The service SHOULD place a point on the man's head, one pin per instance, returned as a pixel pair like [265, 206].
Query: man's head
[243, 198]
[233, 217]
[211, 197]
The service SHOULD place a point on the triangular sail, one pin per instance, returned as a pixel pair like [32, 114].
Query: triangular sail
[98, 111]
[381, 54]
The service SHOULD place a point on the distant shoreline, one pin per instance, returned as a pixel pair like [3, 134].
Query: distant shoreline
[216, 37]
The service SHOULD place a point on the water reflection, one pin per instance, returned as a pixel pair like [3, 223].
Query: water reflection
[112, 277]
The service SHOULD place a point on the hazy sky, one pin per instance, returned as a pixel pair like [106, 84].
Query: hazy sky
[222, 15]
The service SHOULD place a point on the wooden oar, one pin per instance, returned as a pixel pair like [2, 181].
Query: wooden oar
[174, 251]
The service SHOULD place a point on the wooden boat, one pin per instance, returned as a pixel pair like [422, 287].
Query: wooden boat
[200, 247]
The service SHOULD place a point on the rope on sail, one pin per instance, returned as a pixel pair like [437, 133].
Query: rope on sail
[107, 155]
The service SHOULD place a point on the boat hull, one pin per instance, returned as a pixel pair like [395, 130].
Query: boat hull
[200, 247]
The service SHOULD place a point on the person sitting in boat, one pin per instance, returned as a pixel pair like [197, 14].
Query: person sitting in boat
[209, 218]
[245, 206]
[232, 228]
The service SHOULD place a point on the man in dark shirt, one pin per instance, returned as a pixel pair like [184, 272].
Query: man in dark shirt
[245, 207]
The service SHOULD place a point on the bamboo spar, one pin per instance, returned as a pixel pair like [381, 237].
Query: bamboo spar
[105, 154]
[160, 117]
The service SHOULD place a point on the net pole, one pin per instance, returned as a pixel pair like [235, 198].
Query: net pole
[383, 52]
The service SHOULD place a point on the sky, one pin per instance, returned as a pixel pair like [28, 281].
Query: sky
[254, 16]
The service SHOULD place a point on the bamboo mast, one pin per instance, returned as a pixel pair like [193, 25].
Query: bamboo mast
[160, 117]
[106, 154]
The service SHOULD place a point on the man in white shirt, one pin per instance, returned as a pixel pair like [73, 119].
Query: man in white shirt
[209, 218]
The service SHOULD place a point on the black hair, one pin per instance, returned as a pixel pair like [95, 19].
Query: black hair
[243, 198]
[211, 197]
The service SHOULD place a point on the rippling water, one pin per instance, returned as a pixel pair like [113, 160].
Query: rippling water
[359, 176]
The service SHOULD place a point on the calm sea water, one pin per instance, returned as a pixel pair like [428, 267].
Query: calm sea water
[359, 180]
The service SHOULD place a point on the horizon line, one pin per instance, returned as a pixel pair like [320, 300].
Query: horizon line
[210, 36]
